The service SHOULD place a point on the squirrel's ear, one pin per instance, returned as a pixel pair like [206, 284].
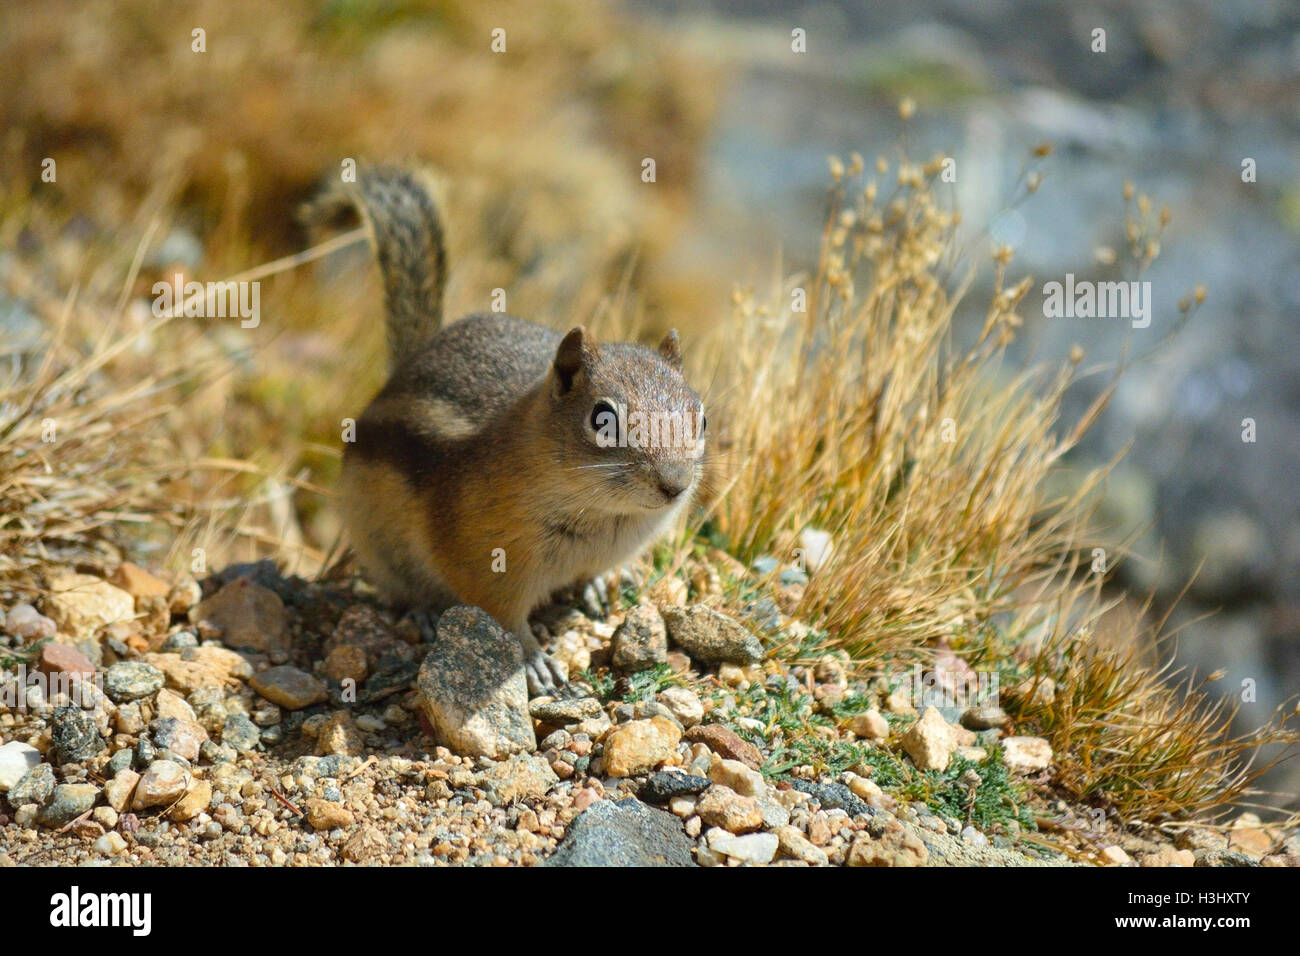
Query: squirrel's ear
[671, 349]
[574, 353]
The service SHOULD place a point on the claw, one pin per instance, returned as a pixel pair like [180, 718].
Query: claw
[427, 622]
[546, 676]
[595, 598]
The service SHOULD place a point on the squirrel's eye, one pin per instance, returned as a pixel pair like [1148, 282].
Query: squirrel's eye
[603, 416]
[704, 423]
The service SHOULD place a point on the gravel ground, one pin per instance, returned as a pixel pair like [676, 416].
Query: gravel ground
[257, 720]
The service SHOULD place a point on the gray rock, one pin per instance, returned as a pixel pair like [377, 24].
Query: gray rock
[473, 687]
[67, 802]
[179, 641]
[215, 753]
[74, 735]
[35, 786]
[145, 754]
[624, 833]
[836, 796]
[333, 765]
[121, 760]
[240, 733]
[522, 777]
[132, 680]
[711, 637]
[663, 786]
[564, 711]
[179, 736]
[641, 641]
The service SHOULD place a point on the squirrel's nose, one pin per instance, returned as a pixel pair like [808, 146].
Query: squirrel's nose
[674, 480]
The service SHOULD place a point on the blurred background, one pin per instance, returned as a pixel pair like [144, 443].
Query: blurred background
[206, 155]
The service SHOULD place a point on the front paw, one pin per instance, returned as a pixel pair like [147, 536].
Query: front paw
[600, 594]
[547, 677]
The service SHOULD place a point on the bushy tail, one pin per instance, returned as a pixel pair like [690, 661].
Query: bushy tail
[407, 235]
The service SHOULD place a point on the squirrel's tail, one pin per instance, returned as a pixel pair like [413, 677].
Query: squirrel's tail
[407, 235]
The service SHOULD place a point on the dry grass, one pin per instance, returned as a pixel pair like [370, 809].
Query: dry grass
[928, 464]
[83, 456]
[859, 417]
[1132, 739]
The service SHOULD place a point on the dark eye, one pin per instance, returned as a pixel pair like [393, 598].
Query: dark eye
[603, 416]
[704, 423]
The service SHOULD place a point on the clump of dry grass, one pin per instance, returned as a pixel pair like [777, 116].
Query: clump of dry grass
[1129, 738]
[860, 415]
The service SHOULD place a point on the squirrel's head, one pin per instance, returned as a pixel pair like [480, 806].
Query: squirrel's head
[633, 430]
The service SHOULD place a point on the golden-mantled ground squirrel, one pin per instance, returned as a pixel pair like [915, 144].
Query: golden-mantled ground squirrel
[502, 461]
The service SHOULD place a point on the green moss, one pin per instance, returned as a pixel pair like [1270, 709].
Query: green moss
[999, 798]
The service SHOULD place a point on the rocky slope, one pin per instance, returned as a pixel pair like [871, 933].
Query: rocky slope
[262, 720]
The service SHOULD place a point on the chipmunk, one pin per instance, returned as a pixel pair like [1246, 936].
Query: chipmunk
[502, 461]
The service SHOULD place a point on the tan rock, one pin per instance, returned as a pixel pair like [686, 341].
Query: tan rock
[1026, 754]
[1168, 856]
[340, 735]
[161, 784]
[755, 848]
[793, 844]
[1248, 836]
[685, 705]
[870, 725]
[896, 846]
[640, 746]
[737, 776]
[82, 603]
[197, 667]
[1115, 856]
[519, 777]
[721, 806]
[138, 582]
[930, 741]
[169, 704]
[346, 662]
[864, 788]
[194, 802]
[900, 702]
[364, 846]
[119, 791]
[669, 592]
[326, 814]
[289, 687]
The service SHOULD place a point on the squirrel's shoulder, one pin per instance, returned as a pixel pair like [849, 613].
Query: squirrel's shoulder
[483, 360]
